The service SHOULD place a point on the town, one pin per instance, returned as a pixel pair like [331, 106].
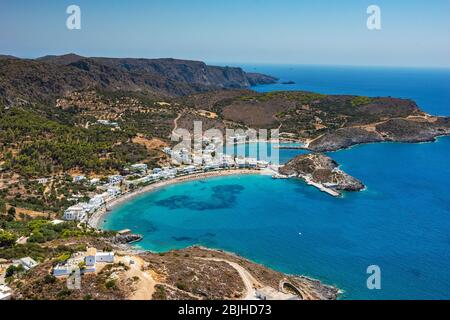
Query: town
[140, 175]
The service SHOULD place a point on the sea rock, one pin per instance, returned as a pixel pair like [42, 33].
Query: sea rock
[321, 170]
[127, 238]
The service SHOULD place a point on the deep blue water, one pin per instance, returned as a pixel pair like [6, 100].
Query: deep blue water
[401, 222]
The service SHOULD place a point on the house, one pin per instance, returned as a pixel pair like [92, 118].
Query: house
[169, 173]
[79, 178]
[113, 192]
[77, 212]
[189, 169]
[153, 177]
[90, 257]
[108, 123]
[94, 181]
[263, 164]
[85, 261]
[252, 162]
[181, 156]
[157, 170]
[241, 163]
[139, 167]
[5, 292]
[68, 267]
[97, 201]
[43, 181]
[27, 262]
[104, 257]
[115, 179]
[212, 166]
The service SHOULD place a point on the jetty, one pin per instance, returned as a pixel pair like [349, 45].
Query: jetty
[320, 186]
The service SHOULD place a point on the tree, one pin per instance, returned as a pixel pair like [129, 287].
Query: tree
[7, 239]
[12, 269]
[12, 213]
[2, 206]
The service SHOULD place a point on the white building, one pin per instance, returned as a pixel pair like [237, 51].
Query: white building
[241, 163]
[189, 169]
[5, 292]
[90, 258]
[108, 123]
[113, 192]
[252, 162]
[77, 212]
[43, 180]
[139, 167]
[263, 164]
[68, 267]
[94, 181]
[79, 178]
[27, 262]
[168, 173]
[212, 166]
[104, 257]
[115, 179]
[97, 201]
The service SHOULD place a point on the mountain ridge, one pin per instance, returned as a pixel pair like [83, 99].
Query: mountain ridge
[47, 78]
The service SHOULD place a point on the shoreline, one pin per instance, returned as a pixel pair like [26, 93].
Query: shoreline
[96, 220]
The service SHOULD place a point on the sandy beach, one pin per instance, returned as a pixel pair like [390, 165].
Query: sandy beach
[96, 220]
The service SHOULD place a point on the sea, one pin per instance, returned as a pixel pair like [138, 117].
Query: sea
[400, 223]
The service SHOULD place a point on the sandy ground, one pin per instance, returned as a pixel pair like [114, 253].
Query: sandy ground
[145, 283]
[97, 218]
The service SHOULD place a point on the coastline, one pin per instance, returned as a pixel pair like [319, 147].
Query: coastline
[96, 220]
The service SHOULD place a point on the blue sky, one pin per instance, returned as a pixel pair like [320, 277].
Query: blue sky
[414, 33]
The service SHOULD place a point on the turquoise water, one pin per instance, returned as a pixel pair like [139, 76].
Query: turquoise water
[401, 222]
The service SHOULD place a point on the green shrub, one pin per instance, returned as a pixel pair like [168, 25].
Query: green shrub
[7, 239]
[49, 279]
[111, 284]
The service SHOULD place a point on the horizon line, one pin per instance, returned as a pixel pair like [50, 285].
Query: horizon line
[231, 63]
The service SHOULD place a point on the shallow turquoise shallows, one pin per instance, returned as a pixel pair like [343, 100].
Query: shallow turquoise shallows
[400, 223]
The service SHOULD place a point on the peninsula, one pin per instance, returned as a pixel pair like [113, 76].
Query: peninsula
[322, 172]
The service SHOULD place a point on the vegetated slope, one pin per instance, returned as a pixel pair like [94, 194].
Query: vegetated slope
[49, 77]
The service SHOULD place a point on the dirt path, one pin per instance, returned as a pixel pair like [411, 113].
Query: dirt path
[145, 284]
[175, 121]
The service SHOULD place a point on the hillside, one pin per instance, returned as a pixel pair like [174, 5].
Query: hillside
[323, 122]
[47, 78]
